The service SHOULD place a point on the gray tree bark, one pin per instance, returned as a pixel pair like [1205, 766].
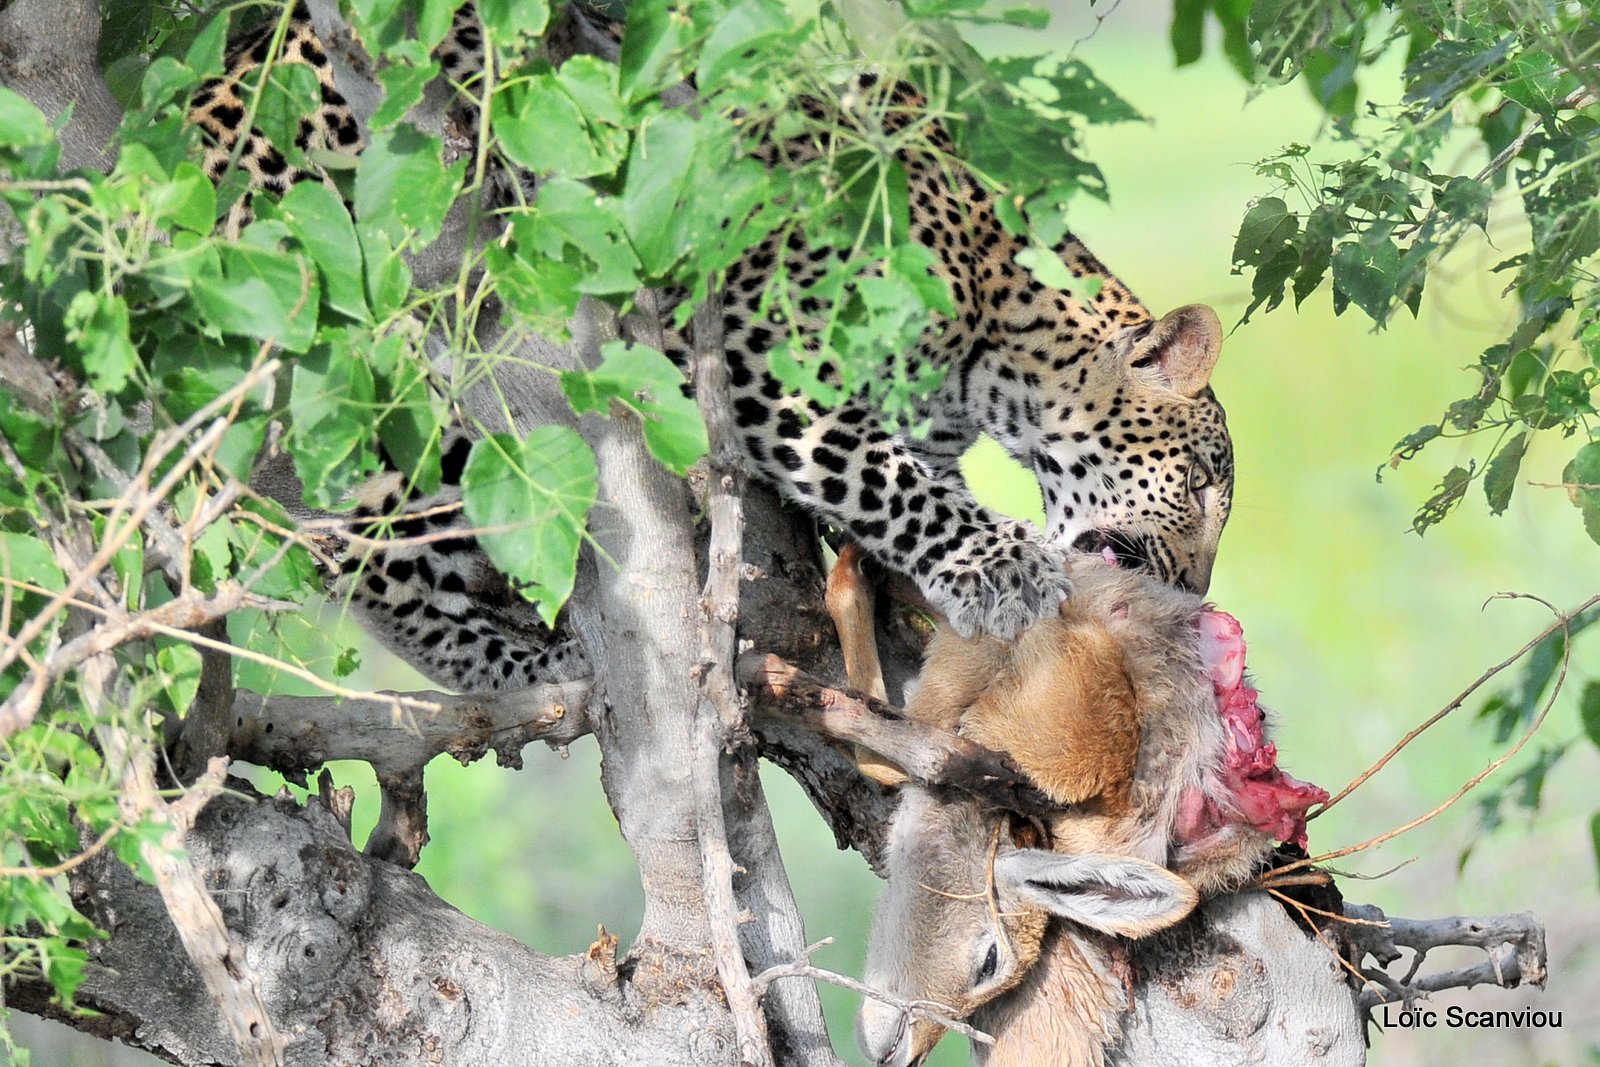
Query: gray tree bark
[359, 962]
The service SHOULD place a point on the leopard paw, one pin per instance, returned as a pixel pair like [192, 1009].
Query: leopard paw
[1002, 588]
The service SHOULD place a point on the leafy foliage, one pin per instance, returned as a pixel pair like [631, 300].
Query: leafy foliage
[1386, 203]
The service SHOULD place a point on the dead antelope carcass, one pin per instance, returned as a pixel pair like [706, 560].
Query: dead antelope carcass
[1130, 710]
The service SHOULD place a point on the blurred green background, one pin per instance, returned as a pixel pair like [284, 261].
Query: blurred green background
[1357, 628]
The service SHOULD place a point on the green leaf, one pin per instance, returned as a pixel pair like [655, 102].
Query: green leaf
[748, 28]
[648, 384]
[1268, 226]
[403, 86]
[206, 54]
[1048, 268]
[164, 79]
[913, 264]
[97, 324]
[22, 125]
[388, 274]
[321, 223]
[569, 214]
[291, 94]
[1582, 477]
[1500, 476]
[178, 666]
[1448, 67]
[1330, 75]
[412, 424]
[661, 172]
[333, 410]
[541, 126]
[657, 32]
[1324, 225]
[189, 200]
[506, 20]
[65, 965]
[531, 499]
[1450, 491]
[1536, 81]
[1594, 837]
[1589, 711]
[1365, 273]
[29, 559]
[262, 294]
[1065, 87]
[403, 186]
[1466, 200]
[1266, 242]
[1187, 31]
[1032, 18]
[434, 20]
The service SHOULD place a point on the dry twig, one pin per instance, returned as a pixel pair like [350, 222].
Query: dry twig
[1495, 764]
[924, 1009]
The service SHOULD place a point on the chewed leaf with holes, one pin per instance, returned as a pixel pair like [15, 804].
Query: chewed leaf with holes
[528, 501]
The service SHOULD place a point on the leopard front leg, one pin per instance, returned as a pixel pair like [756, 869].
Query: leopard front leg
[985, 573]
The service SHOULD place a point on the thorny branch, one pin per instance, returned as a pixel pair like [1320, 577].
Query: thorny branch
[226, 972]
[188, 611]
[128, 513]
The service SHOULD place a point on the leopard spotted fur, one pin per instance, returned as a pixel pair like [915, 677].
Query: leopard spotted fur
[1109, 406]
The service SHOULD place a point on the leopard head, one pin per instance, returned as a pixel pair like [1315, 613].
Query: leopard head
[1137, 459]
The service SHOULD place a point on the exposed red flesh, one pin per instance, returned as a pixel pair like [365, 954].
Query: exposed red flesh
[1263, 795]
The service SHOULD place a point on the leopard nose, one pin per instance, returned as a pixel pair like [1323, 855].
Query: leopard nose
[1196, 578]
[1089, 541]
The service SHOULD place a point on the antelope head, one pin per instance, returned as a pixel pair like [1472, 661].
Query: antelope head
[969, 898]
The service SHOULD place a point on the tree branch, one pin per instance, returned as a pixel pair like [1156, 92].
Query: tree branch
[293, 734]
[1514, 945]
[720, 724]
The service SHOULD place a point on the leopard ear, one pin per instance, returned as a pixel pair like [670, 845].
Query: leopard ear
[1182, 347]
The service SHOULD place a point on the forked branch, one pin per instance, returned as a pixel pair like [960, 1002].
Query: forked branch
[1514, 945]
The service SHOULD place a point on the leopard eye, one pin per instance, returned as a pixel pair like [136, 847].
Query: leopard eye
[1199, 477]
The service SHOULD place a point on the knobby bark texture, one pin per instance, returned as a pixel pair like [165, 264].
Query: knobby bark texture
[351, 959]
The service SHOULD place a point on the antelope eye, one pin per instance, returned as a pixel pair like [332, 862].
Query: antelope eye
[990, 963]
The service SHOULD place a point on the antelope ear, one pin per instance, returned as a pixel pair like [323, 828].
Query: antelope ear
[1183, 347]
[1113, 894]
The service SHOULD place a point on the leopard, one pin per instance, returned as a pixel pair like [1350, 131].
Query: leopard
[1108, 405]
[220, 107]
